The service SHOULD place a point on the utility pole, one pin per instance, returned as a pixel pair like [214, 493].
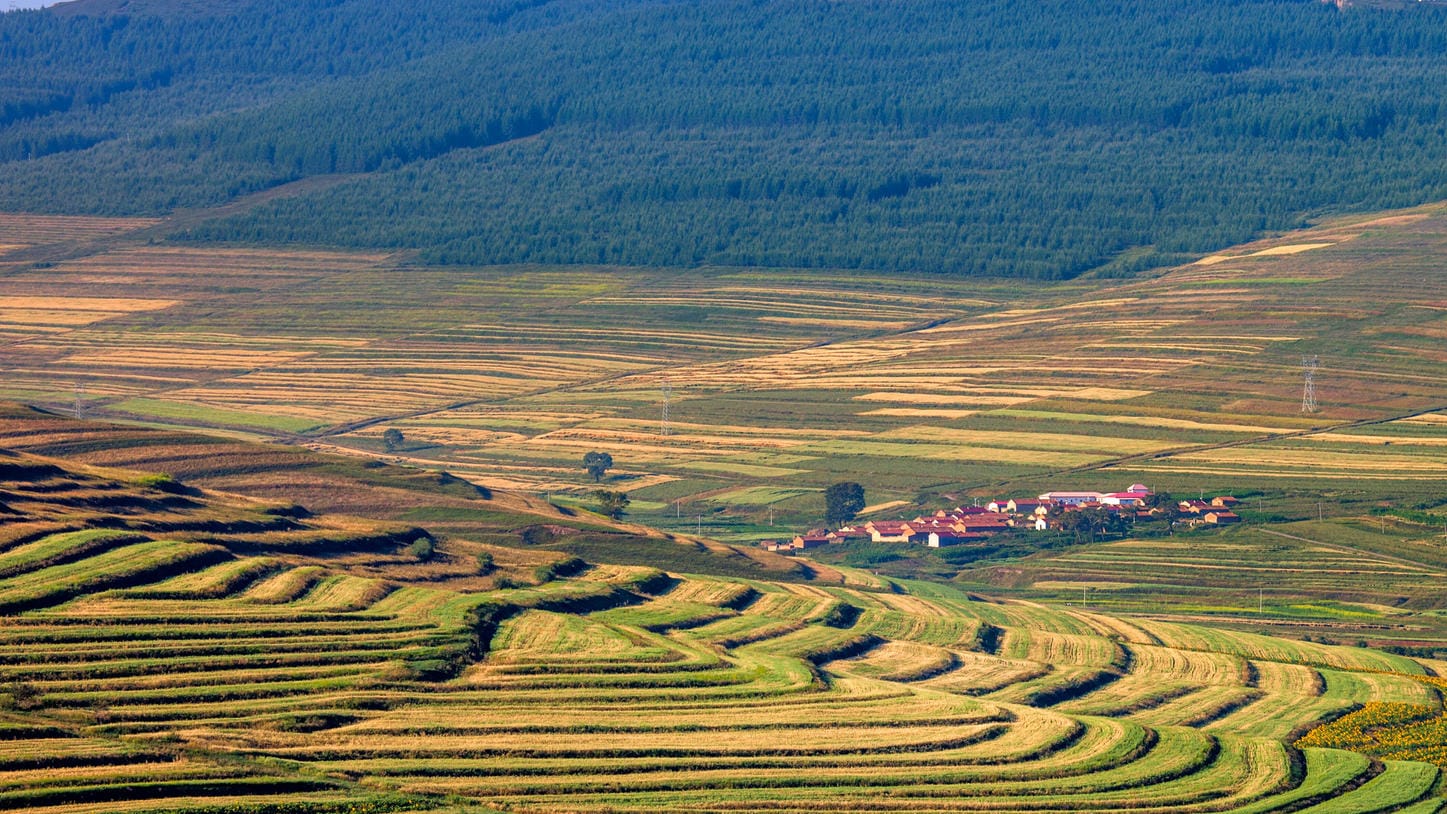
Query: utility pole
[1261, 600]
[667, 394]
[700, 526]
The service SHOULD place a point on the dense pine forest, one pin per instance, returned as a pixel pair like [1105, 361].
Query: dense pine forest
[1041, 139]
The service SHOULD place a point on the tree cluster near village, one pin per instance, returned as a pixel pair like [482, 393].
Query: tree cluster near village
[964, 138]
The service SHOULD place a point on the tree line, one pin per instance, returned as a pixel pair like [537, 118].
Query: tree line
[984, 138]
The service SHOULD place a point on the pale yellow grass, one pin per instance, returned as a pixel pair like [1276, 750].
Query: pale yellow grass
[1073, 585]
[982, 673]
[714, 430]
[882, 507]
[892, 299]
[1289, 679]
[820, 322]
[1311, 459]
[1429, 418]
[939, 398]
[451, 436]
[105, 304]
[645, 481]
[987, 323]
[1200, 668]
[805, 737]
[673, 439]
[535, 332]
[1292, 248]
[1028, 440]
[1136, 346]
[179, 357]
[37, 319]
[1253, 471]
[1395, 440]
[656, 450]
[948, 452]
[1157, 421]
[920, 412]
[1107, 393]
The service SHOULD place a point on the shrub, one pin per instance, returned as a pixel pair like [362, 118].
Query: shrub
[422, 549]
[19, 695]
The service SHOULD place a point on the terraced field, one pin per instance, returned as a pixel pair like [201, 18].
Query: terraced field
[192, 652]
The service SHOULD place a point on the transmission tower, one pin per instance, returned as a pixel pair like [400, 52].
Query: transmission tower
[667, 394]
[1308, 390]
[79, 401]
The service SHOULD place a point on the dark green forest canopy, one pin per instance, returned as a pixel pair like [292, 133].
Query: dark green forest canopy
[1036, 139]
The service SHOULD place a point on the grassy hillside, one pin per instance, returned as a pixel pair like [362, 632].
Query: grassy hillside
[962, 139]
[192, 652]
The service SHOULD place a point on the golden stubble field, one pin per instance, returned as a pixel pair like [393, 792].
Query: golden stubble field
[772, 379]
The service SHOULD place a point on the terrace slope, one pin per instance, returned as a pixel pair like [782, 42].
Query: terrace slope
[292, 482]
[235, 669]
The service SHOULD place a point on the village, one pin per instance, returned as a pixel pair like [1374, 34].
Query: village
[1049, 511]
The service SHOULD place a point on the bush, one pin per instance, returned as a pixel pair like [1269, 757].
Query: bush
[422, 549]
[485, 564]
[161, 482]
[19, 695]
[537, 535]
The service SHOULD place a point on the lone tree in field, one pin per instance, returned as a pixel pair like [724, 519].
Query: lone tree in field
[842, 502]
[392, 439]
[611, 503]
[597, 463]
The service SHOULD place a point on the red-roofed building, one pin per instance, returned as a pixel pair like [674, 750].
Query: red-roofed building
[814, 538]
[1072, 498]
[888, 531]
[1026, 506]
[944, 539]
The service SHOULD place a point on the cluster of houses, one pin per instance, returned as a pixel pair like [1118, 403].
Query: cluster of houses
[972, 524]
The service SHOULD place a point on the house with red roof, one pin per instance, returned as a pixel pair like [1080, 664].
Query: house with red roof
[945, 539]
[888, 531]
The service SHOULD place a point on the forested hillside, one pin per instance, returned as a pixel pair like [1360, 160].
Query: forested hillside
[1042, 139]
